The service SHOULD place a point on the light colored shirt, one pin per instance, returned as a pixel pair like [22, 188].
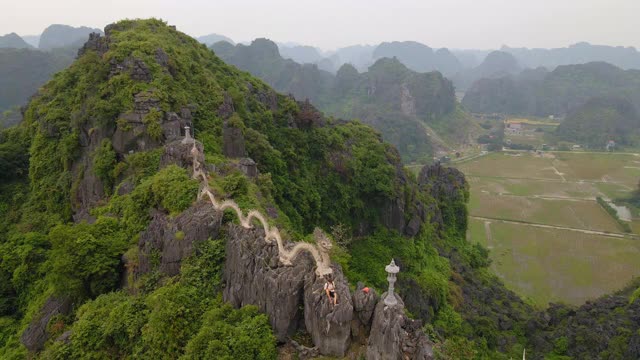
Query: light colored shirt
[329, 286]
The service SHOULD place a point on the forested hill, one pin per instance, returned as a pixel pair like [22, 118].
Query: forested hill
[600, 120]
[23, 71]
[542, 93]
[390, 97]
[107, 252]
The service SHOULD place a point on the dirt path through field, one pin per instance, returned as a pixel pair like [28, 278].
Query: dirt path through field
[487, 231]
[584, 231]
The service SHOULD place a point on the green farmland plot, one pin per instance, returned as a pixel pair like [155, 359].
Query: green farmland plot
[551, 265]
[548, 237]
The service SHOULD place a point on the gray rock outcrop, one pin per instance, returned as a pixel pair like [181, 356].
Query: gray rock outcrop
[36, 335]
[96, 43]
[173, 239]
[364, 304]
[248, 167]
[233, 142]
[253, 276]
[328, 325]
[179, 154]
[396, 337]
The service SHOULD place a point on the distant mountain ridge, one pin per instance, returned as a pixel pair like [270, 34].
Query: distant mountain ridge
[213, 38]
[59, 36]
[23, 68]
[302, 54]
[14, 41]
[32, 40]
[419, 57]
[496, 64]
[580, 53]
[397, 101]
[559, 92]
[23, 71]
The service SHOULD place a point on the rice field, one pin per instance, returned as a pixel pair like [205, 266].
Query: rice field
[548, 237]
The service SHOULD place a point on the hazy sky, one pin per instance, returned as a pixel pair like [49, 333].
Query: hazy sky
[334, 23]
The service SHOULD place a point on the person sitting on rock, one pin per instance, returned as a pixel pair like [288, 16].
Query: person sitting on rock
[330, 289]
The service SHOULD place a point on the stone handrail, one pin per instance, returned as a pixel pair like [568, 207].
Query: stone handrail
[319, 251]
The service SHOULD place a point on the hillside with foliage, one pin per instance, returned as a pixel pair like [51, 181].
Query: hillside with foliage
[559, 92]
[398, 102]
[601, 120]
[95, 168]
[23, 71]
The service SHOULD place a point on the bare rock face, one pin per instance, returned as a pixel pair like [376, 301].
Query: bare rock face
[442, 182]
[36, 335]
[329, 326]
[364, 304]
[396, 337]
[248, 167]
[308, 116]
[405, 212]
[253, 275]
[226, 109]
[167, 241]
[96, 43]
[179, 154]
[233, 139]
[136, 68]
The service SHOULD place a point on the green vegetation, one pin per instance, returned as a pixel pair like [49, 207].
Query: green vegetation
[19, 80]
[532, 260]
[559, 92]
[547, 264]
[601, 120]
[401, 104]
[45, 253]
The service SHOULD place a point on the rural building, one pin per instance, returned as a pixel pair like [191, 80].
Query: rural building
[514, 128]
[611, 145]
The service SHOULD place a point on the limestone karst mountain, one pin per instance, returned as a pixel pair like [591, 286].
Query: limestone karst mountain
[62, 36]
[403, 105]
[122, 189]
[22, 72]
[579, 53]
[211, 39]
[14, 41]
[419, 57]
[602, 120]
[496, 64]
[559, 92]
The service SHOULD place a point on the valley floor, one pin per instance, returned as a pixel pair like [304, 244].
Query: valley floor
[549, 239]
